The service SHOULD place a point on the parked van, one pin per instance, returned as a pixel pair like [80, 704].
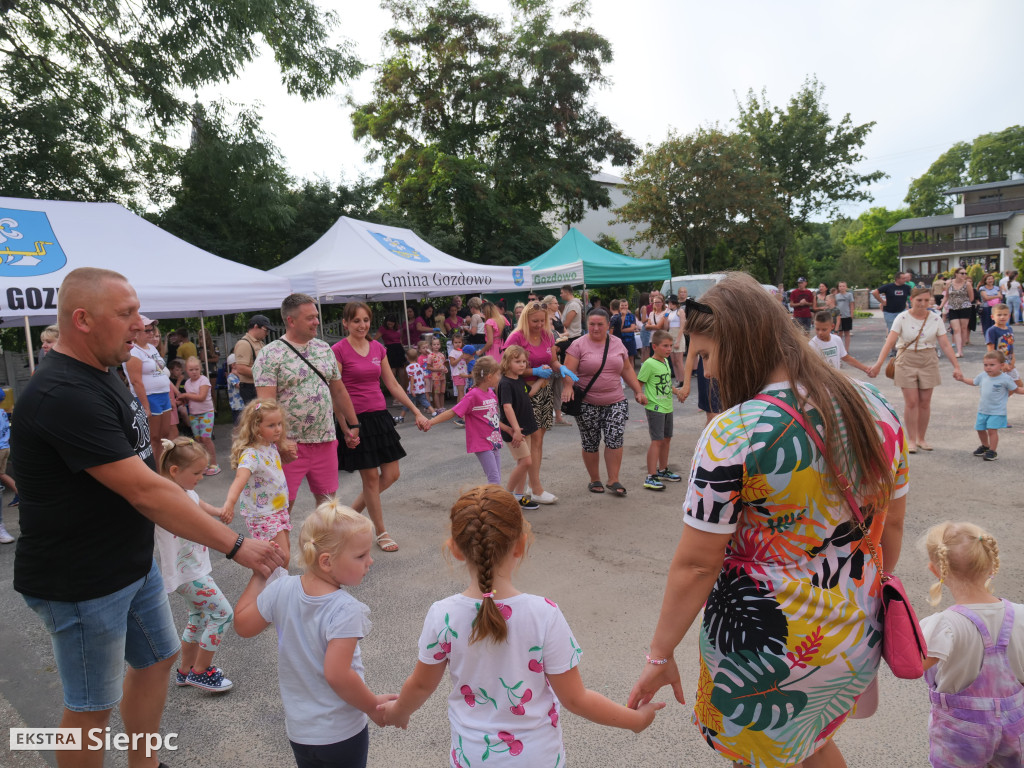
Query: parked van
[696, 285]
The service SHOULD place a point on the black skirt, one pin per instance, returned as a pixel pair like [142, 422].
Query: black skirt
[396, 356]
[379, 443]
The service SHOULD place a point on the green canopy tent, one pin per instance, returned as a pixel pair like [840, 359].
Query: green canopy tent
[560, 265]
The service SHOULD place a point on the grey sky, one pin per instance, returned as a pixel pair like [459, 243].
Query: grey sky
[928, 73]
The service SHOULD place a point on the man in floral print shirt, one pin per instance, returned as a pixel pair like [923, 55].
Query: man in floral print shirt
[301, 373]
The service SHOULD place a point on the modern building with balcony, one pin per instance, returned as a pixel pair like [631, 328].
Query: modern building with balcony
[986, 224]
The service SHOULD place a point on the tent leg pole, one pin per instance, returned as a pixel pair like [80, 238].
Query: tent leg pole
[202, 336]
[405, 313]
[320, 311]
[31, 353]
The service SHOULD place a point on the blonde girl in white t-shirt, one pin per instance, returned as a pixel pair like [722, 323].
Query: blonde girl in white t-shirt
[509, 654]
[975, 665]
[185, 567]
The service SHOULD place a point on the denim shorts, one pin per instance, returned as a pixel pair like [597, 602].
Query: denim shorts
[92, 639]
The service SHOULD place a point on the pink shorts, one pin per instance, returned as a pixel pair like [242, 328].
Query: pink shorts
[266, 527]
[318, 463]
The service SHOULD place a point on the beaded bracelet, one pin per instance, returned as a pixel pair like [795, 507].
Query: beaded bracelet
[654, 661]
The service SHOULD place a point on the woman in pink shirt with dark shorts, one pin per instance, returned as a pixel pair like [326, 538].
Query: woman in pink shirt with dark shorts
[363, 367]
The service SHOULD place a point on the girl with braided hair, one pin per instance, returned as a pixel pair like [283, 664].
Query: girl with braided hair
[975, 665]
[509, 654]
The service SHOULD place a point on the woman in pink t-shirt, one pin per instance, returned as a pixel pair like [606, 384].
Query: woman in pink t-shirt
[534, 334]
[494, 330]
[360, 361]
[605, 409]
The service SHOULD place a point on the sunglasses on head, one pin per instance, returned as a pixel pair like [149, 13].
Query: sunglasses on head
[696, 306]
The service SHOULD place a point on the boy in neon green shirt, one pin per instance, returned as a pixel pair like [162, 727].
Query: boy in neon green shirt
[656, 376]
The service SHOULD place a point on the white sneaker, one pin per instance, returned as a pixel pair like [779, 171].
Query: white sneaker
[5, 537]
[545, 498]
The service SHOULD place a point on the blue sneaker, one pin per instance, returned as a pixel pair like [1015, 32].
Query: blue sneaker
[15, 501]
[180, 678]
[211, 680]
[652, 483]
[666, 475]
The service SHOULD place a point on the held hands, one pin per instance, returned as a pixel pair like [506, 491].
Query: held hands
[227, 513]
[422, 422]
[288, 449]
[569, 374]
[543, 372]
[352, 439]
[517, 437]
[647, 712]
[390, 714]
[682, 393]
[652, 679]
[379, 714]
[873, 371]
[261, 557]
[641, 398]
[424, 427]
[958, 375]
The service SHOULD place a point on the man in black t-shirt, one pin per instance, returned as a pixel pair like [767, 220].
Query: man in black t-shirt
[892, 297]
[89, 501]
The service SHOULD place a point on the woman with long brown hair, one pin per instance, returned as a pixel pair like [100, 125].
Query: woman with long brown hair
[769, 548]
[364, 367]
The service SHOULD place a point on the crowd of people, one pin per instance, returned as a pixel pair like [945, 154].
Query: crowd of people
[88, 447]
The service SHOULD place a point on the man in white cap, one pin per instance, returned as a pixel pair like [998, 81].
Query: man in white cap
[246, 350]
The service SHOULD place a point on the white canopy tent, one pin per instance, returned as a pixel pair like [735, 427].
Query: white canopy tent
[372, 262]
[42, 240]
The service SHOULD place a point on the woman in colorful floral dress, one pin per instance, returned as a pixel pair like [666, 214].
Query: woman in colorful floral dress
[790, 635]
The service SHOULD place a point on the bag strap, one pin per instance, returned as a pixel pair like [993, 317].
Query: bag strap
[303, 359]
[604, 359]
[918, 337]
[844, 483]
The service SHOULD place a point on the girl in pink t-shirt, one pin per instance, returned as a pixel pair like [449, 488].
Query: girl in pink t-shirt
[479, 409]
[198, 393]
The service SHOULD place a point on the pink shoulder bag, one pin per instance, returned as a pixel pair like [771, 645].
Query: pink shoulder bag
[903, 645]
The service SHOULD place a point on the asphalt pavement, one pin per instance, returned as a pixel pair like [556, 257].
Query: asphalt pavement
[602, 559]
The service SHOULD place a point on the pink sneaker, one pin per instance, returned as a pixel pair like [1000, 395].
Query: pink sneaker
[212, 470]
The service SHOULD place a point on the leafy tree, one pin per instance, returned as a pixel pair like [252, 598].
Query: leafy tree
[881, 250]
[485, 127]
[997, 156]
[990, 157]
[697, 193]
[90, 89]
[927, 194]
[232, 197]
[810, 157]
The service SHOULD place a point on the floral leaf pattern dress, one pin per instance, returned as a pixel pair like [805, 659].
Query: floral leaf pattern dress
[790, 634]
[501, 709]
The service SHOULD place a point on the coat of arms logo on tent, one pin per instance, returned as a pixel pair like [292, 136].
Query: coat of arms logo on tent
[517, 276]
[28, 246]
[399, 247]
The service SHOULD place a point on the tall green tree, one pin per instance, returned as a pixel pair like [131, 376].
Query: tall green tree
[485, 127]
[927, 194]
[90, 89]
[989, 157]
[232, 197]
[880, 249]
[811, 158]
[697, 193]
